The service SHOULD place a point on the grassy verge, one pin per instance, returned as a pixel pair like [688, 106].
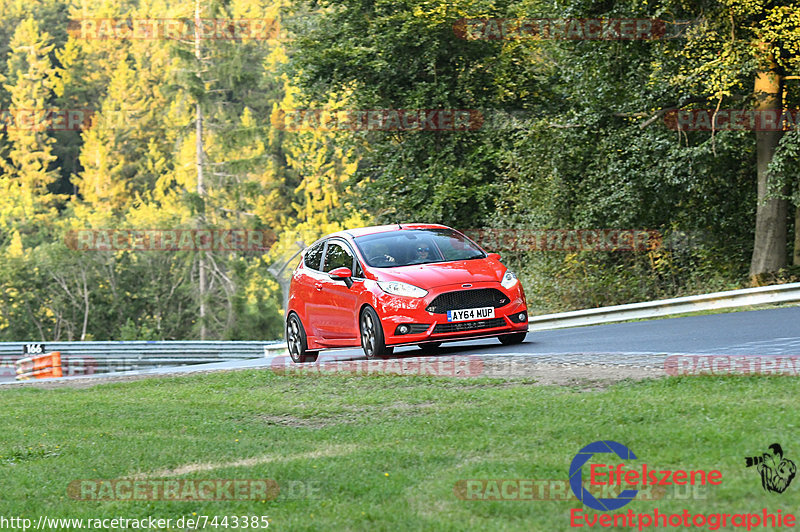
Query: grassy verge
[383, 453]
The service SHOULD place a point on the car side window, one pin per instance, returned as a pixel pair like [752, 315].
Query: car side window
[358, 272]
[314, 256]
[337, 256]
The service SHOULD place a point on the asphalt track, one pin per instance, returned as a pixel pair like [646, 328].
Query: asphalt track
[758, 332]
[646, 344]
[770, 332]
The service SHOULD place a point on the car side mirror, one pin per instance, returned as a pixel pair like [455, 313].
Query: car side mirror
[495, 256]
[342, 274]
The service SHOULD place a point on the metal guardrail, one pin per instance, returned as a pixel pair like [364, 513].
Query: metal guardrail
[82, 358]
[783, 293]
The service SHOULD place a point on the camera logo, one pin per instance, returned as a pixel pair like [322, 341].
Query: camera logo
[776, 471]
[576, 475]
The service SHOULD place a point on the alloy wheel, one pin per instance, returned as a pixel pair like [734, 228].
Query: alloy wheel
[293, 339]
[368, 335]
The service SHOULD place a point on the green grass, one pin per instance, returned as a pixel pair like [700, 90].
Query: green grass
[384, 453]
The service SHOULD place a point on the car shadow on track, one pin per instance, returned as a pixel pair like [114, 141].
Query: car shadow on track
[486, 347]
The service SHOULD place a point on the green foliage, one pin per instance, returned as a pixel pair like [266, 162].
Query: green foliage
[256, 304]
[385, 55]
[133, 168]
[572, 136]
[576, 137]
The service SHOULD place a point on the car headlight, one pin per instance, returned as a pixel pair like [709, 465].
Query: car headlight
[509, 280]
[402, 289]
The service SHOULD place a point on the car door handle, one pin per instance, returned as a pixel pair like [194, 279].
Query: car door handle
[318, 286]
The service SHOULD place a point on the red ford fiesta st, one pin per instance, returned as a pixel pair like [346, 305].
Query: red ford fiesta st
[393, 285]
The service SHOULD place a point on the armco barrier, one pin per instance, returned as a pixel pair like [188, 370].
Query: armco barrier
[782, 293]
[39, 366]
[86, 358]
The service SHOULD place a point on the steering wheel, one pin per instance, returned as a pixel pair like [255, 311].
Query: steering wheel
[382, 259]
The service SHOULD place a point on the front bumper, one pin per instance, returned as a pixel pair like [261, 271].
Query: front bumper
[396, 312]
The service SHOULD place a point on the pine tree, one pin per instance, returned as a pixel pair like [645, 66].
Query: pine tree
[28, 171]
[111, 152]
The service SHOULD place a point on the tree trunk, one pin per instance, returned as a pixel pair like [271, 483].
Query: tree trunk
[769, 248]
[200, 178]
[796, 258]
[85, 304]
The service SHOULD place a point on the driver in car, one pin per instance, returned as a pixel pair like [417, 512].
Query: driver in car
[423, 254]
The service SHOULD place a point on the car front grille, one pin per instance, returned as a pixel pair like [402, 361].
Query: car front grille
[482, 297]
[468, 325]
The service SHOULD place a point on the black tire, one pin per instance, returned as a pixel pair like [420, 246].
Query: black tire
[297, 343]
[511, 339]
[373, 342]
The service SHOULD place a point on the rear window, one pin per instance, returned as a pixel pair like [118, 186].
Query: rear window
[313, 256]
[416, 246]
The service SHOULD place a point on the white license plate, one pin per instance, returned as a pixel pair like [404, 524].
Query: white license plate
[468, 314]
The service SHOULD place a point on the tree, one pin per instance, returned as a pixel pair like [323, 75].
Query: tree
[29, 171]
[742, 52]
[384, 55]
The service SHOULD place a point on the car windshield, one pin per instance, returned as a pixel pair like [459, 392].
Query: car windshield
[416, 246]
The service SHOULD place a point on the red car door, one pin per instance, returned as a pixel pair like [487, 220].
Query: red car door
[338, 301]
[304, 289]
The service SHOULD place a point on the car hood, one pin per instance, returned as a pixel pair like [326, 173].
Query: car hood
[444, 273]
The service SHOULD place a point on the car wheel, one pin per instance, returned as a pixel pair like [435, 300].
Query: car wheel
[372, 340]
[511, 339]
[296, 341]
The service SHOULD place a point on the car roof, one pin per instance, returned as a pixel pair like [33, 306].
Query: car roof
[361, 231]
[374, 229]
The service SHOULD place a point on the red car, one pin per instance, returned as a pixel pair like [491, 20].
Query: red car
[393, 285]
